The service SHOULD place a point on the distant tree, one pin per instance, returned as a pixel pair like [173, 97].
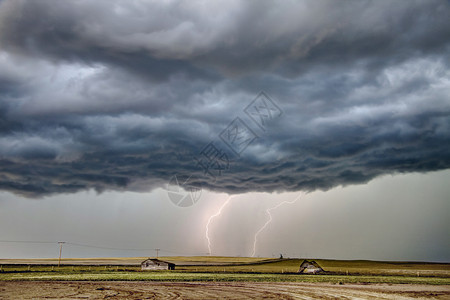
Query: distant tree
[281, 256]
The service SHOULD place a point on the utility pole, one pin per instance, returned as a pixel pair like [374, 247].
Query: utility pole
[157, 252]
[60, 251]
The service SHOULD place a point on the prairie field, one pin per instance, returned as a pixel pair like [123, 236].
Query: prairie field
[215, 290]
[111, 267]
[218, 277]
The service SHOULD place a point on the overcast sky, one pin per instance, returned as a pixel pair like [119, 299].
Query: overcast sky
[347, 103]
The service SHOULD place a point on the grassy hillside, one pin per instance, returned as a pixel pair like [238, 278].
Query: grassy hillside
[358, 267]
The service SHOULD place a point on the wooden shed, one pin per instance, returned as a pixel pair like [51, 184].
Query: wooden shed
[156, 264]
[310, 267]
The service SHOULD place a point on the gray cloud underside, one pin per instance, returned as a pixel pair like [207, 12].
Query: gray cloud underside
[118, 95]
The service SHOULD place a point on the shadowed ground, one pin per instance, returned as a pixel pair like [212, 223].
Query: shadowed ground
[215, 290]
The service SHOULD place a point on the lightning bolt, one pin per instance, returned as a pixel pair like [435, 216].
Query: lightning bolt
[210, 220]
[270, 220]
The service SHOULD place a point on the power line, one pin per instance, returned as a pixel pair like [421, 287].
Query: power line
[99, 247]
[109, 248]
[29, 242]
[80, 245]
[130, 249]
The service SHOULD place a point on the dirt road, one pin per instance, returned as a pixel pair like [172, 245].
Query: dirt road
[213, 290]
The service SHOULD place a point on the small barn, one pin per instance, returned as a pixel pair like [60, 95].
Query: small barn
[156, 264]
[310, 267]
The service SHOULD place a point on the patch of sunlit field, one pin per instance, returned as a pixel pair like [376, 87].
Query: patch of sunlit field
[212, 259]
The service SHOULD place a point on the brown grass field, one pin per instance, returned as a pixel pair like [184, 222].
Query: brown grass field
[221, 278]
[215, 290]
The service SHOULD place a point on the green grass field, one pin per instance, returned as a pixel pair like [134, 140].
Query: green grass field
[187, 276]
[229, 269]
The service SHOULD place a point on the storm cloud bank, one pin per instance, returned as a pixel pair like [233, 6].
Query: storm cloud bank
[123, 95]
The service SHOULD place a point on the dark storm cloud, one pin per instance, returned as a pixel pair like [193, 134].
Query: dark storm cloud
[238, 37]
[113, 95]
